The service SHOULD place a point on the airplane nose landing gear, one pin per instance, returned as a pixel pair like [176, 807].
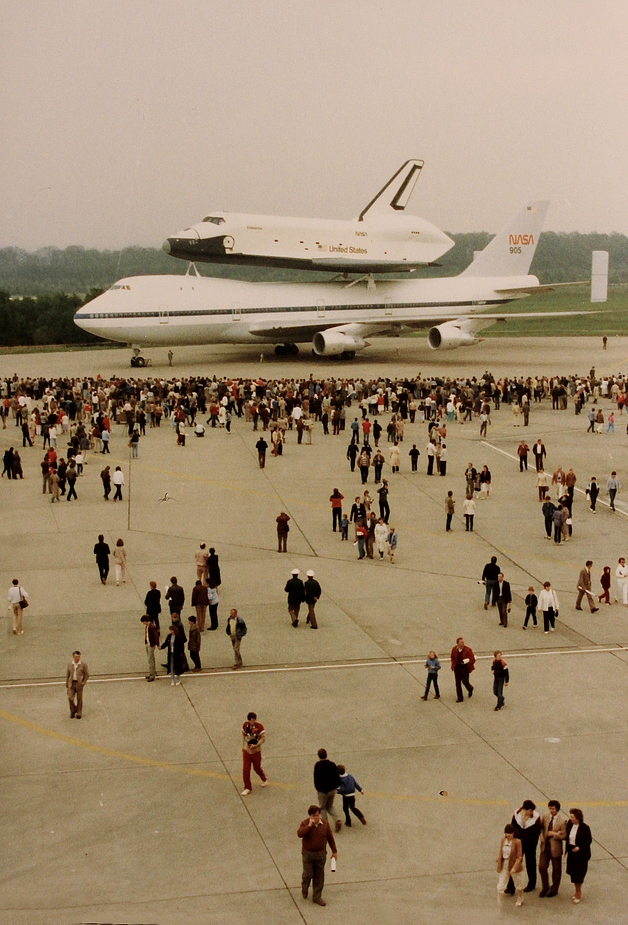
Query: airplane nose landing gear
[137, 360]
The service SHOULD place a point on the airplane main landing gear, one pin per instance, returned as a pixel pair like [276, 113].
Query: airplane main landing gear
[286, 350]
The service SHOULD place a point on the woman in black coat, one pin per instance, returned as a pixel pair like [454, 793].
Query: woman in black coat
[578, 850]
[213, 569]
[177, 662]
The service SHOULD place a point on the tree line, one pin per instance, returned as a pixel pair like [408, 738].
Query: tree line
[40, 291]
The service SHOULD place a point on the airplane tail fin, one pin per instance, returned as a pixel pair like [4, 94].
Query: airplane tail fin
[511, 251]
[396, 194]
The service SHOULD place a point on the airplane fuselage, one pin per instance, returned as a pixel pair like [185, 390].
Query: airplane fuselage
[179, 310]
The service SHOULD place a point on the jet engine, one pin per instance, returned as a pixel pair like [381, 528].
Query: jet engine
[334, 343]
[451, 334]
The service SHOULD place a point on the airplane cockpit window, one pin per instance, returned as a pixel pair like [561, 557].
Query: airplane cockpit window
[116, 286]
[214, 219]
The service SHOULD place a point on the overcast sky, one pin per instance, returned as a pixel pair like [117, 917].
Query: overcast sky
[123, 122]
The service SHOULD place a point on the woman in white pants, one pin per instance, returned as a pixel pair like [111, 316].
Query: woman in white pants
[119, 557]
[510, 864]
[381, 535]
[621, 574]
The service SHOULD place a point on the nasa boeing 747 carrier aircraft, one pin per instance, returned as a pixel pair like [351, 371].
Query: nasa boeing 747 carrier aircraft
[335, 317]
[381, 239]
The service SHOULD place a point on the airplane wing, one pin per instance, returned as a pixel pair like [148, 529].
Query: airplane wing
[392, 327]
[548, 287]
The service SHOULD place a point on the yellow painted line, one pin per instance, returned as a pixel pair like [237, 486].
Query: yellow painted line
[215, 775]
[112, 753]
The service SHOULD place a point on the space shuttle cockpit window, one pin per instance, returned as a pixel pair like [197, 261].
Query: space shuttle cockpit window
[214, 219]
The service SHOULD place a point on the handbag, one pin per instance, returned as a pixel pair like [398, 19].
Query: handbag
[22, 601]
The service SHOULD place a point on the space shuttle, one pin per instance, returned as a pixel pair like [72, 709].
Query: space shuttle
[381, 239]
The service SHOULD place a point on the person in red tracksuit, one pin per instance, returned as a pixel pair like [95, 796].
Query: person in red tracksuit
[253, 737]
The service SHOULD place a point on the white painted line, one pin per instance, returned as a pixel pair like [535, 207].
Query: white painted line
[533, 471]
[391, 663]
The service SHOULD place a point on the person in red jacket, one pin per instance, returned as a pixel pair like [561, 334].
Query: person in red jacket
[462, 664]
[336, 500]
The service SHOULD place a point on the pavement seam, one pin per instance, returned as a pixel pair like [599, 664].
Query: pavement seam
[246, 807]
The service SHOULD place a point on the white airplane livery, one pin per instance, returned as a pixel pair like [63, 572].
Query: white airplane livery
[380, 239]
[334, 317]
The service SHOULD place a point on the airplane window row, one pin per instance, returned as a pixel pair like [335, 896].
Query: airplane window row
[214, 219]
[271, 310]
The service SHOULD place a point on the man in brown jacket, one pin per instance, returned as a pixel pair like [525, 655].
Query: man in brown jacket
[76, 678]
[194, 643]
[553, 835]
[282, 532]
[584, 587]
[199, 601]
[151, 641]
[316, 835]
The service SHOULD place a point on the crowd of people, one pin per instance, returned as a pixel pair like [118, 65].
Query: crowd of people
[75, 419]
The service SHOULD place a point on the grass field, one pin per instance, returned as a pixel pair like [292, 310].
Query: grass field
[611, 317]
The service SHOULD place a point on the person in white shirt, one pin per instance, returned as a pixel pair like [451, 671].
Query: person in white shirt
[118, 481]
[468, 509]
[381, 535]
[548, 603]
[621, 574]
[16, 596]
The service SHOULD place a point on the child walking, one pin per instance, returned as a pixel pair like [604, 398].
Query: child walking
[347, 789]
[344, 527]
[605, 581]
[433, 667]
[500, 678]
[532, 602]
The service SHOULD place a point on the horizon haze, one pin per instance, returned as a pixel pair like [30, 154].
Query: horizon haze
[124, 123]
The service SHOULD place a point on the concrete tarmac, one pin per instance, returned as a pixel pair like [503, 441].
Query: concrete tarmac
[135, 814]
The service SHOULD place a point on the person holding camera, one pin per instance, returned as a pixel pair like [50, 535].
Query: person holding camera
[253, 736]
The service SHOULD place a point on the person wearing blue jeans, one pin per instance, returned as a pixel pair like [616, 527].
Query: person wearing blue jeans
[433, 667]
[176, 654]
[347, 789]
[489, 577]
[501, 678]
[612, 486]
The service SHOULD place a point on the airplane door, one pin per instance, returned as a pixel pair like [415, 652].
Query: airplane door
[320, 308]
[163, 314]
[236, 311]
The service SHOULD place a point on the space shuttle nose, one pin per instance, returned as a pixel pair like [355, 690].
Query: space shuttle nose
[166, 246]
